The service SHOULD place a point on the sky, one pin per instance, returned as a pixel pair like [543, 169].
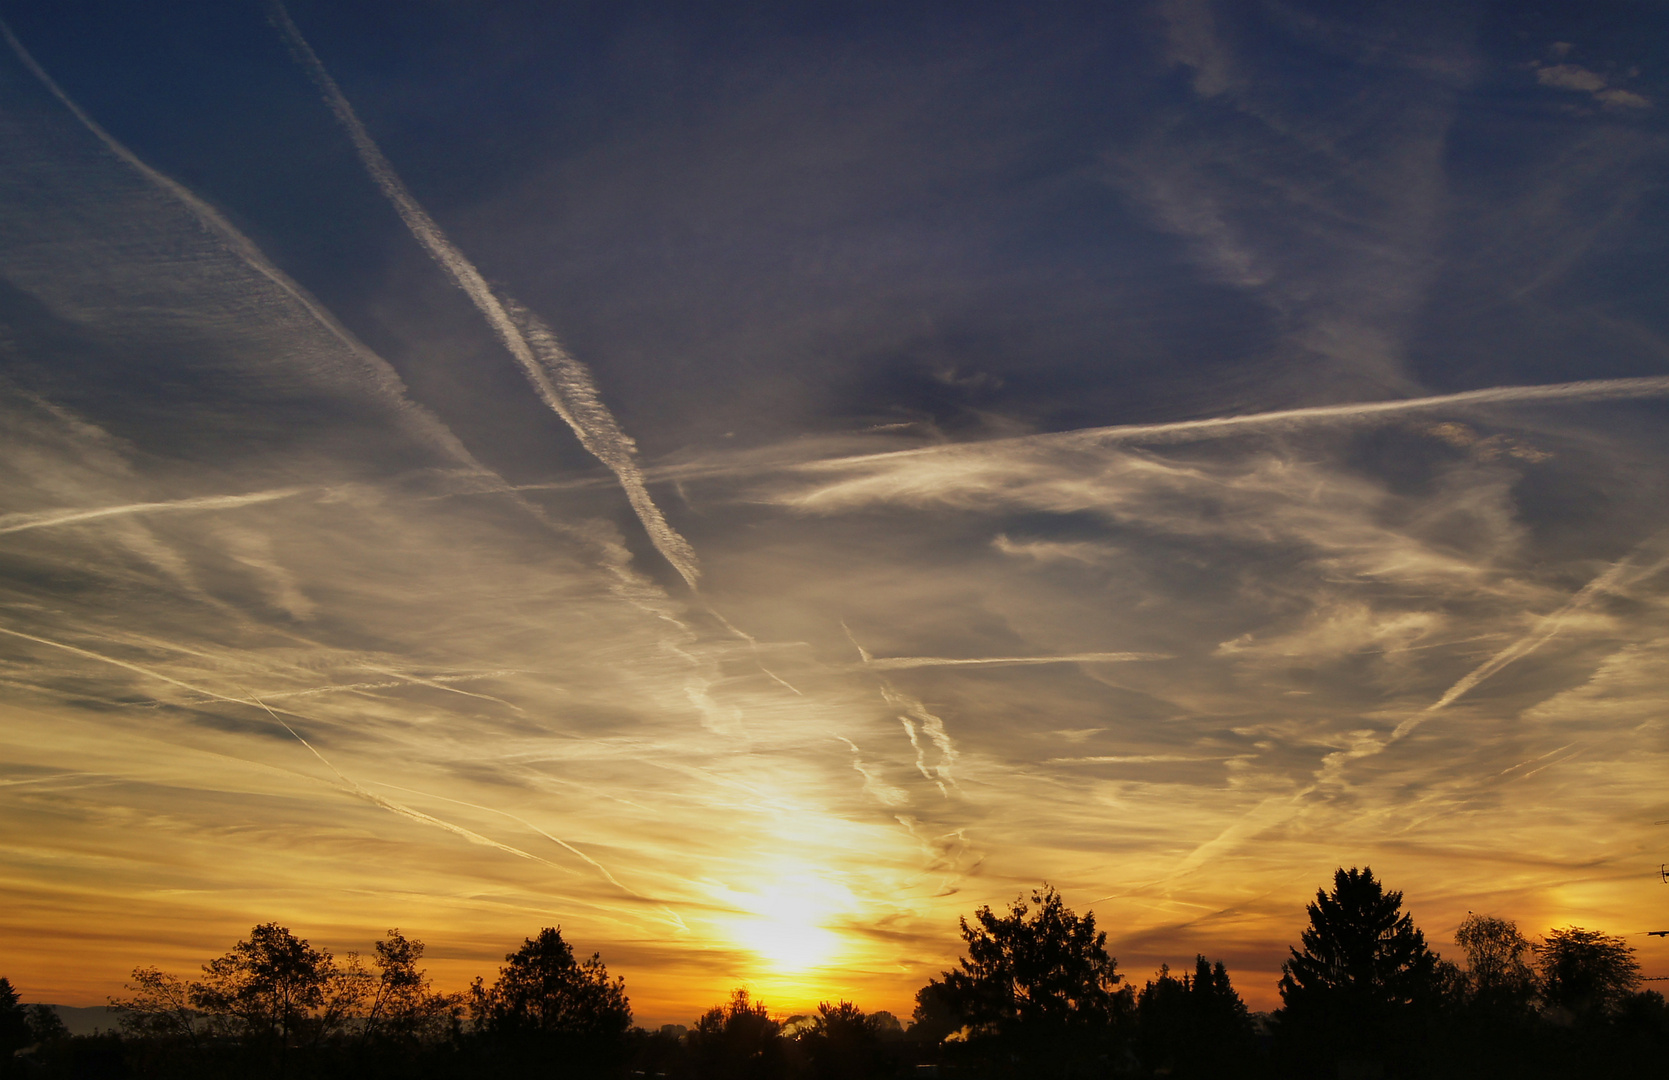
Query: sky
[750, 484]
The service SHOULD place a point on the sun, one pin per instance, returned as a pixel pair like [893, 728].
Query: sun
[787, 923]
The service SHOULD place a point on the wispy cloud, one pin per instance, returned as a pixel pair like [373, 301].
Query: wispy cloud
[1580, 79]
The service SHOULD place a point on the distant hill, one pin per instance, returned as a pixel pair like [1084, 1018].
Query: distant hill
[87, 1019]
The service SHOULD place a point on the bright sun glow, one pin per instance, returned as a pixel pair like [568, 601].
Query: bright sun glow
[787, 923]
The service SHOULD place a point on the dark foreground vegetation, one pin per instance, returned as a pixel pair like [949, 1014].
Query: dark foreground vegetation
[1036, 995]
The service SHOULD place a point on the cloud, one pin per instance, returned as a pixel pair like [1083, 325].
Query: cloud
[1193, 41]
[1580, 79]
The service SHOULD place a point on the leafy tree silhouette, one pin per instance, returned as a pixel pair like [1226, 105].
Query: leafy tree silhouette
[1497, 978]
[1363, 975]
[159, 1009]
[543, 989]
[265, 990]
[45, 1025]
[1037, 982]
[399, 1001]
[1585, 972]
[842, 1042]
[738, 1041]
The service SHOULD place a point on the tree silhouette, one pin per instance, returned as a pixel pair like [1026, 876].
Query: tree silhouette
[267, 988]
[399, 1001]
[14, 1022]
[1585, 971]
[842, 1042]
[1193, 1026]
[542, 988]
[45, 1025]
[737, 1041]
[1038, 981]
[159, 1009]
[1497, 978]
[1042, 969]
[1363, 972]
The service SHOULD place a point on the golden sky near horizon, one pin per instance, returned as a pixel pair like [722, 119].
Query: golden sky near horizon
[788, 609]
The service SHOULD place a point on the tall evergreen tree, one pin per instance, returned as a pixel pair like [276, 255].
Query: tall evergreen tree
[1363, 975]
[14, 1022]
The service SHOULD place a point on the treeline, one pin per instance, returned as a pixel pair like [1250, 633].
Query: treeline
[1362, 997]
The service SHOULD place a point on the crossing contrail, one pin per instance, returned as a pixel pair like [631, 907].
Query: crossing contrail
[562, 382]
[1624, 571]
[382, 375]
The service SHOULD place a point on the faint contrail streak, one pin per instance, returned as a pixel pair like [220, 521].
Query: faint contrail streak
[562, 382]
[390, 805]
[1279, 808]
[557, 840]
[383, 376]
[378, 800]
[753, 643]
[1546, 628]
[434, 685]
[921, 752]
[11, 523]
[1225, 426]
[900, 663]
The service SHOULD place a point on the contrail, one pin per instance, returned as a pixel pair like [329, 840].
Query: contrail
[557, 840]
[1225, 426]
[899, 663]
[355, 789]
[753, 643]
[386, 380]
[41, 519]
[390, 805]
[435, 685]
[1546, 628]
[562, 382]
[416, 419]
[933, 725]
[921, 753]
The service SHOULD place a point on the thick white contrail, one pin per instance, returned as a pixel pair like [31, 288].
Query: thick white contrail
[41, 519]
[382, 375]
[562, 382]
